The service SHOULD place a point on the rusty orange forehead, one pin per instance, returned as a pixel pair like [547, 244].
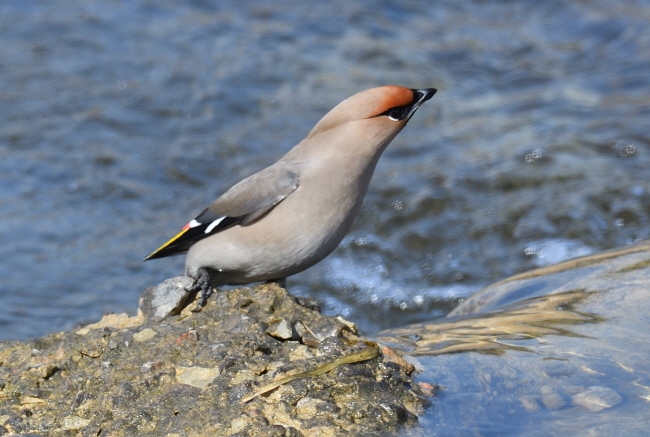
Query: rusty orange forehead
[392, 96]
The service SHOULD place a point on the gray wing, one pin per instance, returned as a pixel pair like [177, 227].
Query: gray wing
[245, 202]
[256, 195]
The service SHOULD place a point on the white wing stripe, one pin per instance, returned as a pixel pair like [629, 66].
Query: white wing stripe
[213, 225]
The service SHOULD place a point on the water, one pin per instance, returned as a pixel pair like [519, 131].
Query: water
[121, 121]
[557, 351]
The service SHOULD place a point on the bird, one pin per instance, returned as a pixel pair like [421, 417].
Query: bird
[292, 214]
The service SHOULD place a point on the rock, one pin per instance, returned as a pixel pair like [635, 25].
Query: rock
[529, 403]
[308, 302]
[350, 325]
[31, 401]
[144, 335]
[597, 398]
[74, 422]
[112, 321]
[165, 299]
[196, 376]
[126, 376]
[300, 352]
[428, 389]
[391, 356]
[281, 330]
[239, 423]
[309, 407]
[551, 398]
[187, 339]
[151, 366]
[557, 368]
[306, 336]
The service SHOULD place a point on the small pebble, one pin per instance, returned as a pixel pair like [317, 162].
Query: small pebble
[165, 299]
[281, 330]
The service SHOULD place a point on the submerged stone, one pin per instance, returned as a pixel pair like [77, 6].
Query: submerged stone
[597, 398]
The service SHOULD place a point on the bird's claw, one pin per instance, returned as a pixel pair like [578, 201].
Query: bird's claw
[201, 284]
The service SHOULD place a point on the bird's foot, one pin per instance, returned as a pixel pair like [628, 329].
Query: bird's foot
[202, 284]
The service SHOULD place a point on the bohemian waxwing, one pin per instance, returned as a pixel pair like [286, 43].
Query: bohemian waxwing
[294, 213]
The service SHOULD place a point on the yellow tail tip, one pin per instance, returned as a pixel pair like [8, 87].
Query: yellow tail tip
[164, 246]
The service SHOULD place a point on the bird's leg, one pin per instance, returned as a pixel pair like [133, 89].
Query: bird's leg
[281, 282]
[202, 284]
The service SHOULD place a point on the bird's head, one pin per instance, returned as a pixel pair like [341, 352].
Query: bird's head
[385, 110]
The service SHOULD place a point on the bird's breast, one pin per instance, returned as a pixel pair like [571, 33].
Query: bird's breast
[297, 233]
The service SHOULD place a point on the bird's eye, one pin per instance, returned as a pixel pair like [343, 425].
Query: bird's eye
[394, 114]
[398, 113]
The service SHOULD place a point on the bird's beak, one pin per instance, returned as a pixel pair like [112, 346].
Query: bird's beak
[425, 94]
[421, 96]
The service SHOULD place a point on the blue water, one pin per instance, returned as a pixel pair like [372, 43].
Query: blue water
[121, 121]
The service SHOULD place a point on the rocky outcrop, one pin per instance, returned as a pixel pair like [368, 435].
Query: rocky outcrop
[252, 362]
